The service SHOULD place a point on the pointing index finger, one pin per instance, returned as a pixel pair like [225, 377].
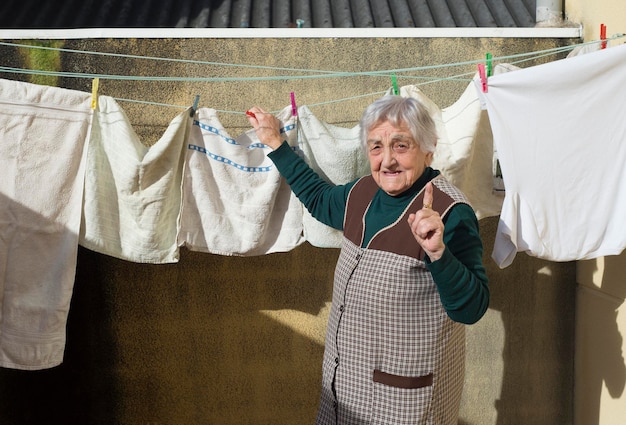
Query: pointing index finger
[428, 196]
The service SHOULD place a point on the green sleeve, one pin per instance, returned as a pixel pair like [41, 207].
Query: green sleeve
[325, 201]
[459, 274]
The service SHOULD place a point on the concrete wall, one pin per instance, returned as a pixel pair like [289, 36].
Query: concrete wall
[226, 340]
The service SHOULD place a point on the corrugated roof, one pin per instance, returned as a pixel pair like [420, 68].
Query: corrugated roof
[42, 14]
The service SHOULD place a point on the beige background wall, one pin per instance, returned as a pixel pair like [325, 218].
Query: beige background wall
[591, 14]
[600, 398]
[226, 340]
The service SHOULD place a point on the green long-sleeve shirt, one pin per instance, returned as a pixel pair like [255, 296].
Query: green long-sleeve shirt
[459, 274]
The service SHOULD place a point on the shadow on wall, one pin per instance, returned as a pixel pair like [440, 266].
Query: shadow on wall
[83, 389]
[200, 342]
[521, 354]
[186, 343]
[84, 382]
[603, 363]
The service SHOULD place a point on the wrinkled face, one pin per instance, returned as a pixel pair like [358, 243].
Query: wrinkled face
[395, 158]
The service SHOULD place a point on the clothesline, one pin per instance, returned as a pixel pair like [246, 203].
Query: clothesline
[508, 58]
[466, 76]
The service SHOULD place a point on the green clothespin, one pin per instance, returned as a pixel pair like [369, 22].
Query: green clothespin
[394, 81]
[489, 65]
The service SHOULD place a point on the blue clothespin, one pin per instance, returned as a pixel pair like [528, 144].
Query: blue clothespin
[394, 82]
[294, 107]
[194, 108]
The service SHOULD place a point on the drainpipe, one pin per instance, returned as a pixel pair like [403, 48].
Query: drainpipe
[549, 11]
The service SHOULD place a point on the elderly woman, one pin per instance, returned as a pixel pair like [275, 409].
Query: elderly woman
[408, 277]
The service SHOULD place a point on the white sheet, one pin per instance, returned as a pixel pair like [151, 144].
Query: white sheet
[560, 132]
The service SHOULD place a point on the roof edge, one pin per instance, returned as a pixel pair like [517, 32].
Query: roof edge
[78, 33]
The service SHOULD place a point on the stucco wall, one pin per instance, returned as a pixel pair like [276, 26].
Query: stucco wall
[227, 340]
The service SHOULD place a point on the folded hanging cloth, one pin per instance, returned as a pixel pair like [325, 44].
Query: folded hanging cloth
[132, 191]
[234, 200]
[338, 156]
[44, 132]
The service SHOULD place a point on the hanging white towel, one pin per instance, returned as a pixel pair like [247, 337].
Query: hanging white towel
[560, 133]
[234, 200]
[338, 156]
[43, 137]
[132, 191]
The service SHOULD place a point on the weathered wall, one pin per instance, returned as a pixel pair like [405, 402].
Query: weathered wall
[227, 340]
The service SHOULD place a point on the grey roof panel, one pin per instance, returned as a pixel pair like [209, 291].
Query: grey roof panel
[421, 13]
[401, 13]
[44, 14]
[441, 14]
[362, 13]
[461, 13]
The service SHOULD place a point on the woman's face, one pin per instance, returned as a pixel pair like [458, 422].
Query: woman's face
[395, 158]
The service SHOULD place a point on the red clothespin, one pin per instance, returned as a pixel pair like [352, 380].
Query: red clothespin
[294, 107]
[603, 36]
[483, 76]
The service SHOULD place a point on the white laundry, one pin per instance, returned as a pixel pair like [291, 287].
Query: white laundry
[338, 156]
[464, 153]
[560, 133]
[132, 191]
[44, 133]
[234, 200]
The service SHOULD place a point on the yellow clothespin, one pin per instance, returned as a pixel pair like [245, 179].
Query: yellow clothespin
[94, 92]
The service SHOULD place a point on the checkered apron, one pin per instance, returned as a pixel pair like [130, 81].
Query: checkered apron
[392, 354]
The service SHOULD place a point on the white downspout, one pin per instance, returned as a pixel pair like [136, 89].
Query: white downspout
[549, 11]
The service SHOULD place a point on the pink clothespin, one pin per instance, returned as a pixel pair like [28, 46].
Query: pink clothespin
[603, 36]
[483, 76]
[294, 107]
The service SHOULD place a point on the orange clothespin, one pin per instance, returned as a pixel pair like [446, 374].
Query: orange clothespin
[294, 107]
[603, 36]
[94, 92]
[483, 76]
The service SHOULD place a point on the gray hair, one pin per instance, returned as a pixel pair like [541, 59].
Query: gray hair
[397, 111]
